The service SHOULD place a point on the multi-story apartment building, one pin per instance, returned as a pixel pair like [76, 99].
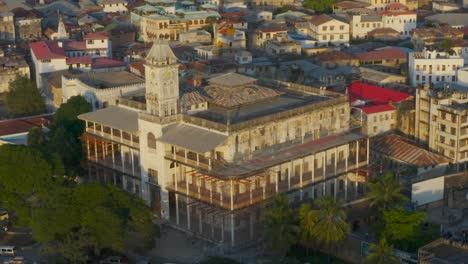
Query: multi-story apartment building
[7, 27]
[442, 120]
[328, 30]
[113, 6]
[207, 159]
[430, 67]
[160, 20]
[270, 32]
[399, 18]
[27, 24]
[12, 65]
[428, 37]
[363, 21]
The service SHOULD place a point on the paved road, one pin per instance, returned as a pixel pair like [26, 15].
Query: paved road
[24, 243]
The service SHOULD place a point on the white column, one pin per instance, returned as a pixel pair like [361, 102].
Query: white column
[324, 172]
[88, 149]
[232, 195]
[188, 215]
[336, 160]
[346, 170]
[357, 165]
[291, 171]
[313, 176]
[232, 230]
[133, 161]
[335, 188]
[177, 208]
[276, 179]
[301, 171]
[367, 151]
[95, 150]
[200, 224]
[113, 155]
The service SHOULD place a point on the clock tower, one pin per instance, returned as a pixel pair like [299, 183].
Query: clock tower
[162, 81]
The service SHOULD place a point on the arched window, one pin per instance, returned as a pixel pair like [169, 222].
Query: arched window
[151, 141]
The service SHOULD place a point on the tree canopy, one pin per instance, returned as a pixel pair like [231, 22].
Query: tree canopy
[386, 192]
[320, 6]
[102, 215]
[25, 179]
[280, 225]
[382, 253]
[24, 98]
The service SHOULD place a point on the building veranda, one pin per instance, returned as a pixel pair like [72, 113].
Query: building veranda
[207, 158]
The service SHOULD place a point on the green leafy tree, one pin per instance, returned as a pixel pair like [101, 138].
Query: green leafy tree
[382, 253]
[320, 6]
[70, 110]
[36, 138]
[282, 9]
[446, 45]
[105, 214]
[307, 223]
[25, 179]
[386, 192]
[24, 98]
[280, 225]
[65, 132]
[330, 222]
[400, 224]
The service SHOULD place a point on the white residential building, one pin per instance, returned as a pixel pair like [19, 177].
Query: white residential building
[101, 89]
[429, 67]
[328, 30]
[47, 56]
[113, 6]
[402, 21]
[362, 22]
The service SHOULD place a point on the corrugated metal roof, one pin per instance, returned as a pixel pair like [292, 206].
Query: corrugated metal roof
[192, 138]
[406, 150]
[114, 116]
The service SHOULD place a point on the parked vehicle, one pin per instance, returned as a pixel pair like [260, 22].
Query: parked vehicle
[113, 260]
[7, 250]
[15, 260]
[3, 215]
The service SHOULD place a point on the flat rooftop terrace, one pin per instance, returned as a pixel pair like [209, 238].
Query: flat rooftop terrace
[284, 102]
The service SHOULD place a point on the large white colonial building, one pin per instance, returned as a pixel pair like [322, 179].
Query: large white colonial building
[206, 158]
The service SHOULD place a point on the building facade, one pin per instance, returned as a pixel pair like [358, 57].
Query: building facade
[7, 27]
[206, 169]
[442, 120]
[430, 67]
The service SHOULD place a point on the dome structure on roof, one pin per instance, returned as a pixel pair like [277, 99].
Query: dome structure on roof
[161, 54]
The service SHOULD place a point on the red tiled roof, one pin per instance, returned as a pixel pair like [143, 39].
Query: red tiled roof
[396, 13]
[81, 60]
[372, 109]
[272, 29]
[335, 56]
[46, 50]
[378, 95]
[464, 30]
[318, 20]
[396, 6]
[106, 63]
[96, 35]
[383, 54]
[22, 125]
[351, 4]
[383, 31]
[74, 45]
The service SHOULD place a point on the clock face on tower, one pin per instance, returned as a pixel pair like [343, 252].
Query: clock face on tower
[168, 75]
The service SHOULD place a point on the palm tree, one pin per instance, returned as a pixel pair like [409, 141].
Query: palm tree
[281, 229]
[307, 222]
[382, 253]
[327, 225]
[386, 192]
